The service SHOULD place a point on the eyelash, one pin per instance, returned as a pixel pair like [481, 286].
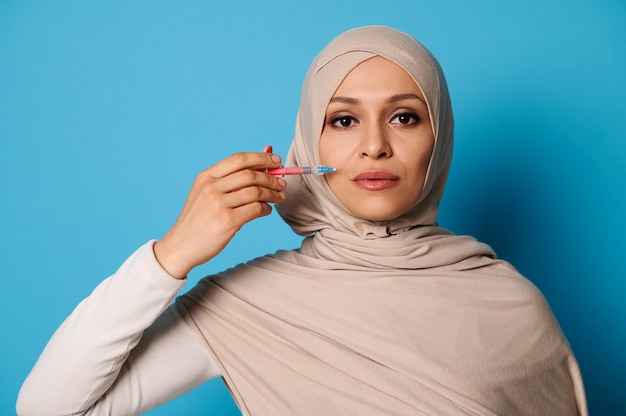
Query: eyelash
[335, 122]
[414, 117]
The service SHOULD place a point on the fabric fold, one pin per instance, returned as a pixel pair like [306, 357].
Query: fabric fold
[398, 317]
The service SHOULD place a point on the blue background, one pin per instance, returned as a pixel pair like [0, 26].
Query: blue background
[107, 112]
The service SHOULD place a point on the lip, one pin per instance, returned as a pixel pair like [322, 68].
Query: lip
[375, 180]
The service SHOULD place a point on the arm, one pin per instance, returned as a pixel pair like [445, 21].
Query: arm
[95, 350]
[86, 365]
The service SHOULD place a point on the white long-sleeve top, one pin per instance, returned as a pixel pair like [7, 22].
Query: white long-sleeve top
[122, 351]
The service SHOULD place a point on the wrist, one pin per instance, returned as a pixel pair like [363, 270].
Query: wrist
[171, 262]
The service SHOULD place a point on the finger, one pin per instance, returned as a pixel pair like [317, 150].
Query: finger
[249, 212]
[253, 194]
[246, 178]
[242, 161]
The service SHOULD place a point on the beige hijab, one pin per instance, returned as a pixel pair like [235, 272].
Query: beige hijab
[311, 205]
[392, 318]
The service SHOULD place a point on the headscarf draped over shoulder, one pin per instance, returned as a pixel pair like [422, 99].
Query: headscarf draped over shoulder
[311, 205]
[394, 318]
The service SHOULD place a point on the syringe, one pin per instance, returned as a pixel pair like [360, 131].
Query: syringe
[300, 170]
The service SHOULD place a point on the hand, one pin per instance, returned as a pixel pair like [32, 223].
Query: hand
[222, 199]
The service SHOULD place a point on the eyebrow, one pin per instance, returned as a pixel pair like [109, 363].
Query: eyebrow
[393, 99]
[402, 97]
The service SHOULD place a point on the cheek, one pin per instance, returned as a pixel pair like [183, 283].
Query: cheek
[419, 162]
[425, 161]
[338, 149]
[329, 151]
[337, 182]
[323, 150]
[425, 152]
[326, 153]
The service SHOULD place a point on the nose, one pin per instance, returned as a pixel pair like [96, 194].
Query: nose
[375, 142]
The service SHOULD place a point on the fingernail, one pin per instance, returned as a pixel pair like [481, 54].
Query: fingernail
[282, 182]
[282, 195]
[275, 158]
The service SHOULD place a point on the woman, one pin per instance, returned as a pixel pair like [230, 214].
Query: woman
[379, 312]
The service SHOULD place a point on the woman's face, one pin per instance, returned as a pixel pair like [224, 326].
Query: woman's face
[377, 132]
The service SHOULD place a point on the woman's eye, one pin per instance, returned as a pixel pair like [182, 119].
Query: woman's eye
[404, 119]
[344, 122]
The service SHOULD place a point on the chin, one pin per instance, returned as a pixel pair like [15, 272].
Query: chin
[376, 215]
[380, 207]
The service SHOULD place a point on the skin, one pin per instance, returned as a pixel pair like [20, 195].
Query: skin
[377, 130]
[222, 199]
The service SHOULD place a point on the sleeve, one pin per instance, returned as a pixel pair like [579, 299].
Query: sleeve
[121, 351]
